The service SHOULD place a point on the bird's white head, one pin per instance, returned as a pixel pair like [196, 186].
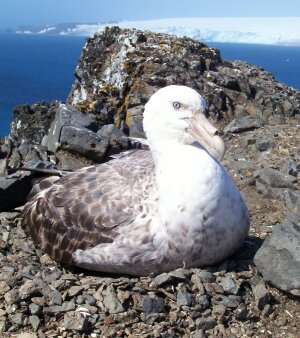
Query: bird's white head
[177, 114]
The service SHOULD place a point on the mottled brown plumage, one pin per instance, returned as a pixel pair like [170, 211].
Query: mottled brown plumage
[62, 217]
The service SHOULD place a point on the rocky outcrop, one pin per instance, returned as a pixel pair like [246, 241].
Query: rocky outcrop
[117, 73]
[120, 69]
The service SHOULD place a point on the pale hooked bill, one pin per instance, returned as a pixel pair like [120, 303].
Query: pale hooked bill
[146, 211]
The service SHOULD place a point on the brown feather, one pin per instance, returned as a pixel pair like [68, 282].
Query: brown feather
[86, 207]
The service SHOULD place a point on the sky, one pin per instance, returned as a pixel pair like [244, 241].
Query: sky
[14, 13]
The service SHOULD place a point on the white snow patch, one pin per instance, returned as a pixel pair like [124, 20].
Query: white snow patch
[257, 30]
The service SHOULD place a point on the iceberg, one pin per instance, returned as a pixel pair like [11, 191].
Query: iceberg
[254, 30]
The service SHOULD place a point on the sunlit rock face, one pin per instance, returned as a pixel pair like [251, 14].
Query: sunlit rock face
[120, 69]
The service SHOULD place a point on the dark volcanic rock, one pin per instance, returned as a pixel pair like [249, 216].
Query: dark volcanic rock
[75, 133]
[31, 124]
[278, 259]
[154, 305]
[243, 124]
[13, 190]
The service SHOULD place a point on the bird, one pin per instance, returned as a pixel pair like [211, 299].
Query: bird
[146, 212]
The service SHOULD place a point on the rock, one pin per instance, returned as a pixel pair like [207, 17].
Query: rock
[117, 139]
[163, 278]
[204, 301]
[65, 307]
[111, 301]
[229, 286]
[4, 287]
[274, 178]
[264, 144]
[278, 259]
[31, 124]
[35, 309]
[13, 190]
[75, 133]
[29, 289]
[66, 116]
[292, 200]
[154, 305]
[75, 290]
[184, 298]
[241, 312]
[262, 295]
[75, 321]
[230, 301]
[289, 166]
[244, 124]
[88, 299]
[206, 323]
[12, 296]
[54, 297]
[18, 318]
[207, 277]
[34, 322]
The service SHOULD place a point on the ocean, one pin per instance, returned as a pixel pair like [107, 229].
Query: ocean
[37, 68]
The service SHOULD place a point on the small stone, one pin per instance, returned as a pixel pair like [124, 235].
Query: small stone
[204, 301]
[180, 274]
[4, 287]
[12, 296]
[262, 295]
[267, 310]
[263, 144]
[65, 307]
[274, 178]
[184, 298]
[219, 310]
[231, 301]
[18, 318]
[206, 323]
[162, 279]
[34, 322]
[111, 301]
[75, 290]
[87, 299]
[197, 284]
[229, 286]
[241, 312]
[242, 124]
[75, 321]
[35, 309]
[54, 297]
[207, 277]
[154, 305]
[28, 289]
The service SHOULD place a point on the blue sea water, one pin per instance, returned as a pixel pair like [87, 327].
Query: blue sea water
[40, 68]
[35, 68]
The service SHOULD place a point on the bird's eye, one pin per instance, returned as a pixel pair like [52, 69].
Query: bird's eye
[176, 105]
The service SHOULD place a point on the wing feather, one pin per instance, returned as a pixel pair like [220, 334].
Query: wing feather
[89, 206]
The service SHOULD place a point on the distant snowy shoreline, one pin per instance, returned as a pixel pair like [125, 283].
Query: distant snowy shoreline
[259, 30]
